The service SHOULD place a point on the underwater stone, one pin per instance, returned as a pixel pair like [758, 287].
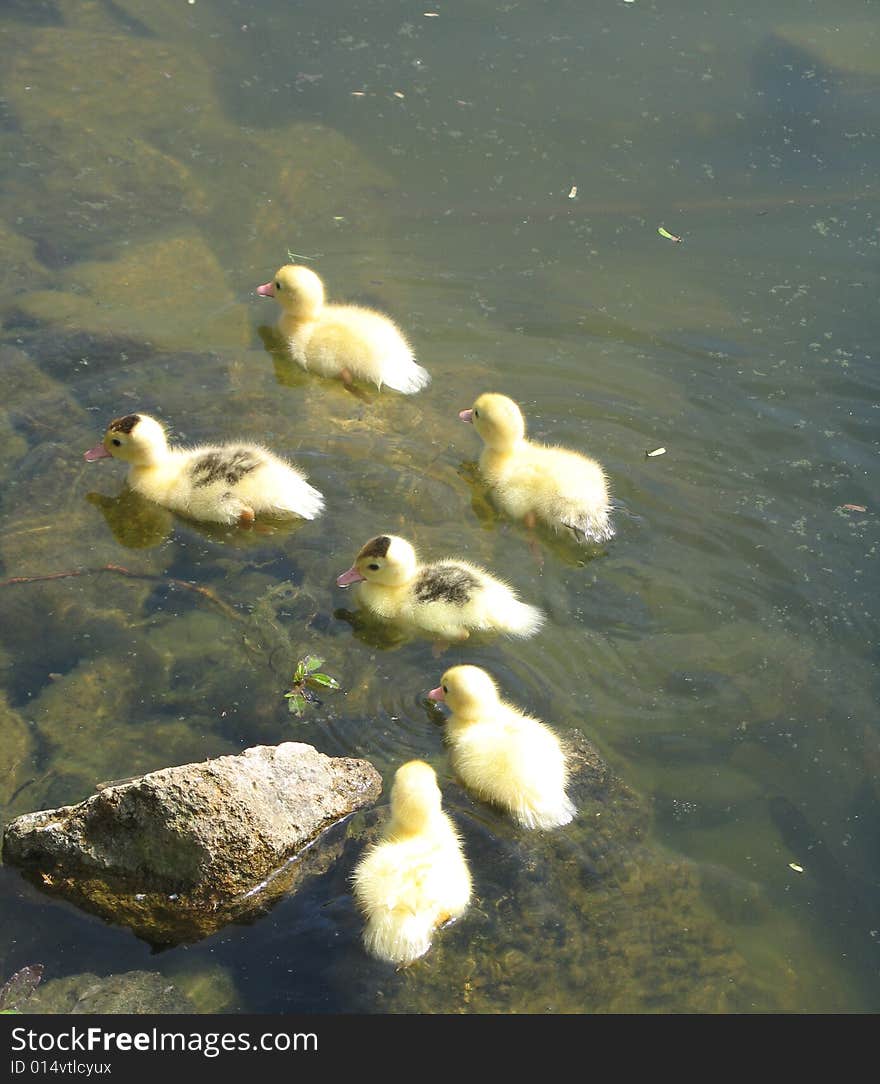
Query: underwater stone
[16, 753]
[148, 292]
[130, 992]
[178, 853]
[20, 267]
[848, 45]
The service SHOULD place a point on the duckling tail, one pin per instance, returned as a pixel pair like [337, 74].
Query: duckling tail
[523, 620]
[409, 380]
[304, 501]
[593, 528]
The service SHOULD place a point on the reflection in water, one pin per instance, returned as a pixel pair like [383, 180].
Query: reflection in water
[136, 523]
[720, 650]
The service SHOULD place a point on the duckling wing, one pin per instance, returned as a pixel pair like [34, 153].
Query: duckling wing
[368, 344]
[224, 466]
[516, 761]
[255, 477]
[564, 488]
[448, 582]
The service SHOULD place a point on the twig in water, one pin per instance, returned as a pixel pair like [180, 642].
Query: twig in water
[206, 592]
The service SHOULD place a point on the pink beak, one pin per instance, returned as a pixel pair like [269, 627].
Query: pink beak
[466, 415]
[437, 694]
[267, 289]
[346, 579]
[98, 452]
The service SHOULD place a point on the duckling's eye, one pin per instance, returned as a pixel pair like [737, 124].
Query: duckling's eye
[476, 413]
[116, 443]
[445, 688]
[373, 568]
[277, 285]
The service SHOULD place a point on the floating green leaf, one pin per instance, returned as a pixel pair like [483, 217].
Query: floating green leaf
[669, 236]
[324, 680]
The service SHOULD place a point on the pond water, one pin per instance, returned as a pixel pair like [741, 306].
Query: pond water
[494, 176]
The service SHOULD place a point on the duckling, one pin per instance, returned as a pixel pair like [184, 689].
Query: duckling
[227, 483]
[447, 598]
[502, 755]
[534, 482]
[415, 878]
[347, 341]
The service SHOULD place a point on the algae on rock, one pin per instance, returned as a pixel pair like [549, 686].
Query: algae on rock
[17, 751]
[141, 992]
[169, 292]
[627, 928]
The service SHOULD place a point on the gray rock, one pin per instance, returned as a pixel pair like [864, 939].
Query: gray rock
[178, 853]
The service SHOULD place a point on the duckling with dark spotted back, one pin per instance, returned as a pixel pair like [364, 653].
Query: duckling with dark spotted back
[227, 483]
[448, 598]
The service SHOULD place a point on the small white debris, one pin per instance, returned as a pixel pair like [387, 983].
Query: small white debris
[655, 451]
[795, 867]
[573, 191]
[399, 94]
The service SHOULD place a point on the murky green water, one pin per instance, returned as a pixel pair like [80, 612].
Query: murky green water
[494, 177]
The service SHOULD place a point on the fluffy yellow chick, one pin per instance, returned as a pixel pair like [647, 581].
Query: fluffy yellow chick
[227, 483]
[415, 878]
[535, 482]
[447, 598]
[502, 755]
[347, 341]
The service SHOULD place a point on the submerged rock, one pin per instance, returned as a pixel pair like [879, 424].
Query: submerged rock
[16, 753]
[20, 266]
[850, 45]
[148, 292]
[142, 992]
[178, 853]
[628, 928]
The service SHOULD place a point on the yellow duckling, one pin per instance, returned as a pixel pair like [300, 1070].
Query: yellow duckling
[502, 755]
[535, 482]
[227, 483]
[347, 341]
[415, 878]
[447, 598]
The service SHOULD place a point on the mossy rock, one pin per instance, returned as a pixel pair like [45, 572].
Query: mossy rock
[97, 722]
[851, 45]
[20, 269]
[141, 992]
[169, 292]
[17, 752]
[73, 92]
[24, 380]
[210, 989]
[628, 927]
[60, 75]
